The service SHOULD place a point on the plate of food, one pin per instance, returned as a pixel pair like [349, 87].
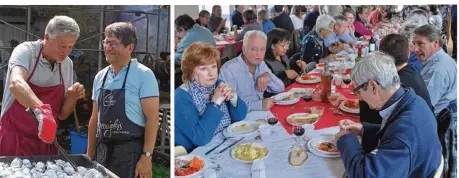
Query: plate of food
[323, 146]
[308, 79]
[302, 91]
[350, 106]
[299, 119]
[242, 129]
[189, 166]
[286, 98]
[249, 152]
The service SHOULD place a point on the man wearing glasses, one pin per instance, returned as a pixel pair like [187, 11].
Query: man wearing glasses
[408, 141]
[250, 75]
[124, 120]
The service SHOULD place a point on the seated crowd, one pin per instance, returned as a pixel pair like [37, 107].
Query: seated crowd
[407, 89]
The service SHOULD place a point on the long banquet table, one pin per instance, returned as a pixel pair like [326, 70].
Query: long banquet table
[276, 162]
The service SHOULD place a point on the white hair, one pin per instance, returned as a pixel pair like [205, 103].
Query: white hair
[62, 25]
[253, 33]
[379, 67]
[324, 22]
[411, 24]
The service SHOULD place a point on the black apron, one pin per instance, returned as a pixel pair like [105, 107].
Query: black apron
[119, 141]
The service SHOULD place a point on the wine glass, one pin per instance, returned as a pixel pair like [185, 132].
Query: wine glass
[272, 121]
[318, 110]
[298, 131]
[346, 80]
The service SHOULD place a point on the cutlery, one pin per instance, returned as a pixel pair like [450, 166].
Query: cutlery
[232, 145]
[224, 140]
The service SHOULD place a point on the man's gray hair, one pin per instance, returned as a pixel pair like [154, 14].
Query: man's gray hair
[324, 22]
[379, 67]
[411, 24]
[263, 14]
[62, 25]
[431, 32]
[340, 19]
[253, 33]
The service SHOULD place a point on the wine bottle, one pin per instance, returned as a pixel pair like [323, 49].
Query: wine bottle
[372, 44]
[326, 83]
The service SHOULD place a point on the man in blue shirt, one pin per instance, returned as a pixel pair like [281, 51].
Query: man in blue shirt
[236, 17]
[249, 74]
[124, 121]
[439, 72]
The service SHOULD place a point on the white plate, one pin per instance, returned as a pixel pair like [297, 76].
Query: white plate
[251, 131]
[283, 95]
[315, 151]
[348, 110]
[298, 114]
[233, 151]
[200, 172]
[299, 80]
[324, 138]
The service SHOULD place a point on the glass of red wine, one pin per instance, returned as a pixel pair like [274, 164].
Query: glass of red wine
[346, 80]
[298, 131]
[272, 121]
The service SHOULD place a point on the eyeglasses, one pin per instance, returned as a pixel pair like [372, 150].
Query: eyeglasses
[285, 46]
[362, 86]
[113, 44]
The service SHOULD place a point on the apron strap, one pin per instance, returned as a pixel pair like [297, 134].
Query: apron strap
[127, 72]
[36, 63]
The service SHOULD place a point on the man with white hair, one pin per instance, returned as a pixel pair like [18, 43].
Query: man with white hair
[249, 74]
[408, 142]
[341, 38]
[40, 79]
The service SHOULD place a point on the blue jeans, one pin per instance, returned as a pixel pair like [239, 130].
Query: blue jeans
[450, 142]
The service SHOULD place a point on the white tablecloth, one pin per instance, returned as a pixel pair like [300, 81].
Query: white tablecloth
[276, 162]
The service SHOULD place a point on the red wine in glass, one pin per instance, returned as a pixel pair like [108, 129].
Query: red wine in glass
[298, 131]
[346, 81]
[272, 121]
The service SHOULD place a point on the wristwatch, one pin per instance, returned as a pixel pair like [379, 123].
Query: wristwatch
[149, 154]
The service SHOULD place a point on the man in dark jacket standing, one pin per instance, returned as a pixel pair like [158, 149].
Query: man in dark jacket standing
[408, 141]
[236, 17]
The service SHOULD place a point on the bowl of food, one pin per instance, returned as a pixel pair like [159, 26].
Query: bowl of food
[190, 165]
[249, 152]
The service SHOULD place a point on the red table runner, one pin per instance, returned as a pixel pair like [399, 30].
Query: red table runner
[328, 119]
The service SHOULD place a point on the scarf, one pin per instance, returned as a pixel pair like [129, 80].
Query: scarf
[197, 94]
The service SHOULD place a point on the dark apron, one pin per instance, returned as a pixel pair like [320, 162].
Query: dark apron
[119, 141]
[19, 131]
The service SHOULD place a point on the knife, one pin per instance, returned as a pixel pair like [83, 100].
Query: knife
[232, 145]
[216, 146]
[61, 150]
